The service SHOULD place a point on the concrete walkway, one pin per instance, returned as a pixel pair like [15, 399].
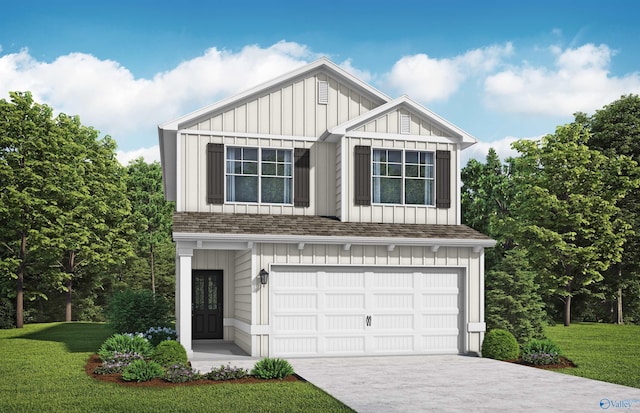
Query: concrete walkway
[440, 383]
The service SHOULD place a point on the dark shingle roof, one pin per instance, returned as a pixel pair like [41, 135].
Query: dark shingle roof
[299, 225]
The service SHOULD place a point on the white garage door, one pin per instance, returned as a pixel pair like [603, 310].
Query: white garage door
[358, 311]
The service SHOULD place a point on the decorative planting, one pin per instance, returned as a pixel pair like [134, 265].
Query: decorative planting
[500, 345]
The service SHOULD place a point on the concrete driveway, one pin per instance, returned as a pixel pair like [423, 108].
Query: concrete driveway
[459, 384]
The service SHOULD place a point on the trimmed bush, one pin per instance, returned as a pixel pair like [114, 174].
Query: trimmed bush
[541, 352]
[7, 314]
[156, 335]
[137, 310]
[500, 345]
[117, 363]
[169, 353]
[124, 343]
[227, 373]
[181, 373]
[141, 370]
[272, 368]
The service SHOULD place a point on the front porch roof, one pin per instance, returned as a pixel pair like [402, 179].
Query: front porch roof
[191, 226]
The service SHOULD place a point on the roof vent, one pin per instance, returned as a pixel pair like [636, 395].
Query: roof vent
[405, 123]
[323, 92]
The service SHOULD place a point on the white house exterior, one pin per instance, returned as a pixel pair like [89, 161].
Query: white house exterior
[347, 199]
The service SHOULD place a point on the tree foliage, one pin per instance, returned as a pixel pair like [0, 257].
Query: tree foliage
[616, 131]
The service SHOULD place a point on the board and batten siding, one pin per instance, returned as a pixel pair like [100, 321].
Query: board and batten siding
[193, 176]
[291, 109]
[380, 256]
[390, 123]
[399, 214]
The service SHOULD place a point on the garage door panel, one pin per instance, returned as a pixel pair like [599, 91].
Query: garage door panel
[298, 302]
[393, 344]
[391, 322]
[342, 280]
[344, 322]
[296, 346]
[296, 281]
[439, 300]
[437, 321]
[339, 302]
[393, 301]
[345, 345]
[296, 323]
[387, 280]
[359, 311]
[440, 280]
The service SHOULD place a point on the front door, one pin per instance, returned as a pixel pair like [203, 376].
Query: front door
[207, 304]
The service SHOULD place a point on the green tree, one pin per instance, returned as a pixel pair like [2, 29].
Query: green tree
[512, 299]
[94, 222]
[566, 211]
[487, 194]
[616, 131]
[29, 152]
[153, 217]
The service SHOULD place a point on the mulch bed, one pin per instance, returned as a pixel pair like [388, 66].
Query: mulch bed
[562, 364]
[94, 361]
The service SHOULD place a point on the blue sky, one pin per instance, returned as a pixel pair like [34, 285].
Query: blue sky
[500, 70]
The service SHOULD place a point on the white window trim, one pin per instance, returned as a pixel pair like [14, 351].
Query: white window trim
[259, 197]
[403, 176]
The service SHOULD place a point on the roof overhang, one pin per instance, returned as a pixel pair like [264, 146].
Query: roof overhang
[234, 239]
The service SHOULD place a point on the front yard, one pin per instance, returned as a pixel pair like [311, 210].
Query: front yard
[603, 352]
[42, 369]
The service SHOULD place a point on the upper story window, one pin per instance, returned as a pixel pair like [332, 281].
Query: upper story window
[259, 175]
[403, 177]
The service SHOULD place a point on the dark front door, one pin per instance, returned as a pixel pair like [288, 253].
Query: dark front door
[207, 304]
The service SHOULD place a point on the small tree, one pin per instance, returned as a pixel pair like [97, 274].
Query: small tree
[512, 299]
[135, 311]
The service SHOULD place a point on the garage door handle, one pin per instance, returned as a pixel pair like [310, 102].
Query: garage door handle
[368, 321]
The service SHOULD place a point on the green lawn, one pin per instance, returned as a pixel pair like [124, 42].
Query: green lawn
[604, 352]
[42, 369]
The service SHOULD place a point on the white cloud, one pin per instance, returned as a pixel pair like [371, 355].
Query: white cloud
[580, 81]
[502, 147]
[150, 155]
[430, 79]
[110, 98]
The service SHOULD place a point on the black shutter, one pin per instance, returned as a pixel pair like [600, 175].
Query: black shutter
[301, 177]
[215, 173]
[362, 173]
[443, 179]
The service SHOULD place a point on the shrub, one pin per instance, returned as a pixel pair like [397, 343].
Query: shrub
[272, 368]
[227, 373]
[513, 300]
[169, 353]
[137, 310]
[500, 345]
[156, 335]
[7, 314]
[125, 343]
[181, 373]
[117, 363]
[141, 370]
[541, 352]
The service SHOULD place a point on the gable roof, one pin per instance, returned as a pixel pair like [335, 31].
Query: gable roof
[403, 102]
[323, 64]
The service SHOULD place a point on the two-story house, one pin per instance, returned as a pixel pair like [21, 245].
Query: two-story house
[316, 216]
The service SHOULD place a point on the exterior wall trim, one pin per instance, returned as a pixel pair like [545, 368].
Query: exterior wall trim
[192, 132]
[297, 239]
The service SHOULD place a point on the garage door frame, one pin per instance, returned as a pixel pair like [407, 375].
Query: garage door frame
[463, 293]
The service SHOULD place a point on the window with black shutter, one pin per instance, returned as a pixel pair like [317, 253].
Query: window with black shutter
[215, 173]
[301, 177]
[362, 175]
[443, 179]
